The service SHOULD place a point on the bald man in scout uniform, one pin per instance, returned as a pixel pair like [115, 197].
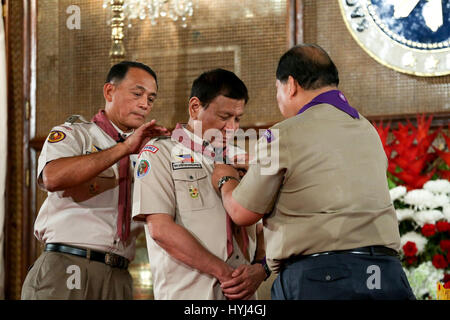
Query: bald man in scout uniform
[330, 227]
[86, 167]
[195, 250]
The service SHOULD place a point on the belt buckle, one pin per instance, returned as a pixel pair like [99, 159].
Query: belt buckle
[110, 259]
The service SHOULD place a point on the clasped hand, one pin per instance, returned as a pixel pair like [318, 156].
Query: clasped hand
[244, 282]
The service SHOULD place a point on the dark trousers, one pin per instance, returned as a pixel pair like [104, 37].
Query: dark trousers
[342, 276]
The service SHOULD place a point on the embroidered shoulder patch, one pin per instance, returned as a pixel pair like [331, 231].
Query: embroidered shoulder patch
[56, 136]
[150, 148]
[143, 168]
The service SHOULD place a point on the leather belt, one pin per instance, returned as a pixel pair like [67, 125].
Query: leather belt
[371, 251]
[107, 258]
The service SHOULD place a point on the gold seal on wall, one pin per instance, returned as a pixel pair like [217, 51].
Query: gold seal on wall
[409, 36]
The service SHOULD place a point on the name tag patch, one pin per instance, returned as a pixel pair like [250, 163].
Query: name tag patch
[181, 165]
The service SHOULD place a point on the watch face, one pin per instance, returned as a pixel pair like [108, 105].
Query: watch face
[410, 36]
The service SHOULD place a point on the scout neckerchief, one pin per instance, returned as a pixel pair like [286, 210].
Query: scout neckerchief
[124, 216]
[335, 98]
[179, 134]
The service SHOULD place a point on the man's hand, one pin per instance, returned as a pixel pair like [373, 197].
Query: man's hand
[245, 282]
[143, 134]
[241, 162]
[221, 170]
[226, 274]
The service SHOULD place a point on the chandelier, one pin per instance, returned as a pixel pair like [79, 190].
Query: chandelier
[177, 10]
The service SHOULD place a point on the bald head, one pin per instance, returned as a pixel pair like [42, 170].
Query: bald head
[309, 65]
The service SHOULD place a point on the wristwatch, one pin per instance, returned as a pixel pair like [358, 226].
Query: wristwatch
[223, 180]
[265, 266]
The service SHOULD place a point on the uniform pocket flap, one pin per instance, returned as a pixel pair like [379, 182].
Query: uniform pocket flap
[327, 274]
[189, 175]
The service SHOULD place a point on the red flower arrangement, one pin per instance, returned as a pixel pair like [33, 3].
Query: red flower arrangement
[445, 245]
[409, 159]
[429, 230]
[410, 249]
[439, 261]
[442, 226]
[413, 160]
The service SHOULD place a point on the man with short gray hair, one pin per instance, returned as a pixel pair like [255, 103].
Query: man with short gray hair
[330, 227]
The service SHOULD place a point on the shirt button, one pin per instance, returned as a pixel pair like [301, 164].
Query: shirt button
[191, 177]
[237, 257]
[328, 277]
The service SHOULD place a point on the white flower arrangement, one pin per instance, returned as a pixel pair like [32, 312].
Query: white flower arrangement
[423, 279]
[437, 186]
[446, 211]
[397, 192]
[428, 216]
[415, 237]
[405, 214]
[420, 199]
[422, 214]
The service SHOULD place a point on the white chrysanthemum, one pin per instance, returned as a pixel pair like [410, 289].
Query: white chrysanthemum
[420, 199]
[446, 212]
[428, 216]
[415, 237]
[397, 192]
[440, 200]
[437, 186]
[403, 214]
[423, 279]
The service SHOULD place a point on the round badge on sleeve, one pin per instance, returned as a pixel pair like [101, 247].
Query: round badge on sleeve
[56, 136]
[409, 36]
[143, 168]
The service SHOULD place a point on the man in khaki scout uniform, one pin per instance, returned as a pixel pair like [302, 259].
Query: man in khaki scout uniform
[319, 183]
[85, 166]
[195, 250]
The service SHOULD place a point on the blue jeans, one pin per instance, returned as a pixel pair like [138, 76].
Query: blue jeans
[343, 276]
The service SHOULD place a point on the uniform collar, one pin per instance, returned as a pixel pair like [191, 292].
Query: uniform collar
[334, 97]
[191, 141]
[124, 135]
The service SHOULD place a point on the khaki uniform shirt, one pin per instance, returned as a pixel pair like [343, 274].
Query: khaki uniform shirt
[171, 179]
[85, 215]
[326, 191]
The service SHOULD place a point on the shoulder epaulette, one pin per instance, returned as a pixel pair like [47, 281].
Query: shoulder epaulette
[160, 138]
[76, 118]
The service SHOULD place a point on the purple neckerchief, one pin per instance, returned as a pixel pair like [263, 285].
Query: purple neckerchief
[335, 98]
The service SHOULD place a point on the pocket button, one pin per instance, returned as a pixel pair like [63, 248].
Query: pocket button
[328, 277]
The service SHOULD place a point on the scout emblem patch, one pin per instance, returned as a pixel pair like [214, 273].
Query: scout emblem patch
[193, 192]
[143, 168]
[56, 136]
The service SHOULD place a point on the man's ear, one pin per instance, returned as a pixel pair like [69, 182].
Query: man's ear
[194, 108]
[293, 87]
[108, 91]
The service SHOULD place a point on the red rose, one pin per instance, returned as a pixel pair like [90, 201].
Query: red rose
[447, 285]
[428, 230]
[443, 226]
[445, 245]
[410, 249]
[448, 257]
[411, 260]
[439, 261]
[446, 277]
